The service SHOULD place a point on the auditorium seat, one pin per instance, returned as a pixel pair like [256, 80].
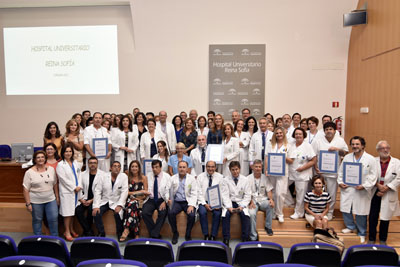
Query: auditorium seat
[7, 246]
[47, 246]
[145, 249]
[370, 255]
[204, 250]
[316, 254]
[286, 265]
[198, 264]
[91, 248]
[256, 253]
[111, 263]
[30, 261]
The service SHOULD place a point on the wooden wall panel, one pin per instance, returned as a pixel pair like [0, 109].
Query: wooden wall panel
[373, 78]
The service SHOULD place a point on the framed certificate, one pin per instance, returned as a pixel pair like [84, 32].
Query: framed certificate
[214, 197]
[352, 173]
[215, 153]
[100, 147]
[147, 166]
[328, 161]
[276, 164]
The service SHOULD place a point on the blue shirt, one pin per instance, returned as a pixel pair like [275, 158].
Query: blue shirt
[173, 162]
[214, 138]
[180, 194]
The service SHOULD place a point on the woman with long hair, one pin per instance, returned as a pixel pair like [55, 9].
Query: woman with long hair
[148, 143]
[81, 122]
[51, 155]
[202, 128]
[75, 138]
[137, 194]
[244, 141]
[162, 155]
[189, 136]
[215, 134]
[231, 148]
[52, 135]
[178, 126]
[250, 126]
[140, 127]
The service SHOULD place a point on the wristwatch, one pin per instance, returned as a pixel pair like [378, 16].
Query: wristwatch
[28, 204]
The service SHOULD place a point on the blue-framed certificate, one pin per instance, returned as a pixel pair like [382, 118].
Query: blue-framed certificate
[100, 147]
[214, 197]
[352, 173]
[147, 166]
[328, 161]
[215, 152]
[276, 164]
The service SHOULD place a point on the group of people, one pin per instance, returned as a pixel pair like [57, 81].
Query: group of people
[68, 178]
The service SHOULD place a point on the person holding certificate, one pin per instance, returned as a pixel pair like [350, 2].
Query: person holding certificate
[279, 144]
[357, 177]
[97, 142]
[206, 180]
[184, 192]
[231, 147]
[261, 199]
[236, 199]
[385, 195]
[329, 143]
[300, 170]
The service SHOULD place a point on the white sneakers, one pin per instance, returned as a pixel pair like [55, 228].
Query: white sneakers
[347, 231]
[330, 217]
[362, 239]
[294, 216]
[280, 219]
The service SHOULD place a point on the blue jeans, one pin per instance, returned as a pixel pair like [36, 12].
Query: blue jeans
[264, 206]
[216, 217]
[360, 224]
[51, 210]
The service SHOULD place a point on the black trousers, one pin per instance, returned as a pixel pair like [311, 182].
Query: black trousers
[98, 219]
[148, 209]
[85, 221]
[373, 220]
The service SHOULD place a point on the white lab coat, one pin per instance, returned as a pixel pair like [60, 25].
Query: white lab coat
[359, 200]
[163, 187]
[311, 138]
[205, 131]
[301, 154]
[389, 202]
[244, 152]
[255, 147]
[191, 189]
[67, 185]
[170, 135]
[240, 193]
[118, 140]
[259, 187]
[145, 142]
[115, 196]
[197, 165]
[84, 178]
[88, 135]
[202, 181]
[231, 153]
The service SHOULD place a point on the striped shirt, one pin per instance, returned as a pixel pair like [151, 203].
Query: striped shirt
[316, 203]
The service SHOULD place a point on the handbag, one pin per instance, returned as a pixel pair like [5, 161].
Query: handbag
[328, 236]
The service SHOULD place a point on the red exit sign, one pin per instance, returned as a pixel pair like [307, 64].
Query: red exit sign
[335, 104]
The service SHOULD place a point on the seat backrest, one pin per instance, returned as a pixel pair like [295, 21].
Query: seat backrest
[5, 151]
[286, 265]
[90, 248]
[111, 262]
[7, 246]
[145, 249]
[370, 255]
[198, 264]
[256, 253]
[204, 251]
[30, 261]
[316, 254]
[47, 246]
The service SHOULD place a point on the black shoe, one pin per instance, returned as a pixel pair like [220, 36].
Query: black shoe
[206, 237]
[101, 234]
[175, 238]
[188, 237]
[244, 239]
[226, 242]
[212, 238]
[269, 231]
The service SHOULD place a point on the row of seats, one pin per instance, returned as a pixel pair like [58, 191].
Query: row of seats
[5, 151]
[155, 252]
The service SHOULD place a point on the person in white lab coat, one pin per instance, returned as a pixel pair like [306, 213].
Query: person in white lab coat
[329, 141]
[199, 156]
[279, 144]
[300, 170]
[162, 155]
[70, 186]
[97, 131]
[183, 197]
[110, 194]
[231, 148]
[313, 134]
[202, 128]
[244, 142]
[385, 195]
[125, 142]
[89, 178]
[259, 141]
[236, 197]
[149, 140]
[205, 180]
[168, 129]
[357, 199]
